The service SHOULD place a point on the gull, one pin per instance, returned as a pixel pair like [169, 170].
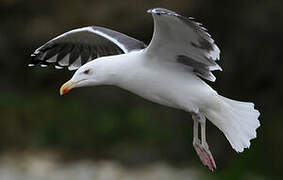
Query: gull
[172, 71]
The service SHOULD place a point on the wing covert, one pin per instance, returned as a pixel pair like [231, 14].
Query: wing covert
[184, 41]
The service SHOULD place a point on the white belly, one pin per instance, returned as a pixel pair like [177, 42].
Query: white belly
[182, 90]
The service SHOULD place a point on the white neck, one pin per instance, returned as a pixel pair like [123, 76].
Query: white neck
[111, 70]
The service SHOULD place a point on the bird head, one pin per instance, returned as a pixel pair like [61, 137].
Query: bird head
[86, 75]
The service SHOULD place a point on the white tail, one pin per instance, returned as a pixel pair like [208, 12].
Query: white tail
[237, 120]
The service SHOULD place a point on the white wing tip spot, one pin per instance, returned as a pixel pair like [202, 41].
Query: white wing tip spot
[58, 67]
[215, 53]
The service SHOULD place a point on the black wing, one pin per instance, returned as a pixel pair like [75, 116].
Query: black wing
[77, 47]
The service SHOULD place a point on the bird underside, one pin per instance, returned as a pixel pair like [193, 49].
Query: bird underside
[201, 146]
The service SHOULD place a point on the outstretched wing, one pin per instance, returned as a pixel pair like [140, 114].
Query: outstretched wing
[77, 47]
[184, 41]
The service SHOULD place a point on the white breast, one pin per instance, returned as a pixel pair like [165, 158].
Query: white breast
[162, 83]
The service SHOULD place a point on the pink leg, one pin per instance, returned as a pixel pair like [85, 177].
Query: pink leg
[202, 147]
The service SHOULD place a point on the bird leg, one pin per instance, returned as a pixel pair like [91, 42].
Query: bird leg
[202, 147]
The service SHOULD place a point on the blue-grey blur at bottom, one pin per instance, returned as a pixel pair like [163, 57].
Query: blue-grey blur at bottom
[108, 133]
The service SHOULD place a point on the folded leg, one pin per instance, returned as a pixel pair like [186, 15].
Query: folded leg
[202, 147]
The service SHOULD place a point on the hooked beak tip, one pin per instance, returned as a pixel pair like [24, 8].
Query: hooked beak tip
[64, 91]
[65, 88]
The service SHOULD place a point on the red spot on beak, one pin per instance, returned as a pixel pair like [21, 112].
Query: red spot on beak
[66, 90]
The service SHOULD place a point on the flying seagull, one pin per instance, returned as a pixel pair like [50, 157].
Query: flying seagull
[169, 71]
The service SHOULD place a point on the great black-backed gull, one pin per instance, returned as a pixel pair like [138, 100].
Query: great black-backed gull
[169, 71]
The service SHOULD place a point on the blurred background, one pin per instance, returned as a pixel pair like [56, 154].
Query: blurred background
[108, 133]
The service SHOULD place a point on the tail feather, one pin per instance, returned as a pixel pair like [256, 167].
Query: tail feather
[237, 120]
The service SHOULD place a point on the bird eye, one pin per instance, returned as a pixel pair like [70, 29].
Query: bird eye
[86, 71]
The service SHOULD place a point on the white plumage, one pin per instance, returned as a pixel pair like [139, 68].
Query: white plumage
[168, 71]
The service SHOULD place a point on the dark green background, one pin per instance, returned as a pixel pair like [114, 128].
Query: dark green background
[110, 123]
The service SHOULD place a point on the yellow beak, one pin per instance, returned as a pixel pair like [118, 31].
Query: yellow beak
[65, 88]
